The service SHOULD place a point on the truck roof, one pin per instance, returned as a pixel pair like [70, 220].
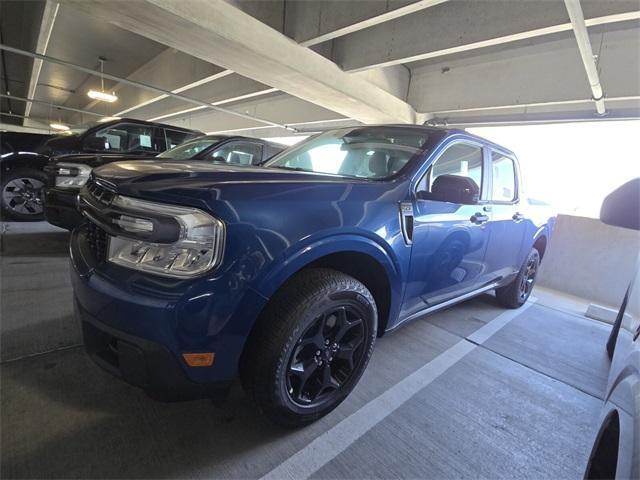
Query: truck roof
[445, 130]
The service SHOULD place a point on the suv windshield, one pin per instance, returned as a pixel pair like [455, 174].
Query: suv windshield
[364, 152]
[190, 149]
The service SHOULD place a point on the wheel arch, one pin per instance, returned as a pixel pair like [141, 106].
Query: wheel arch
[603, 460]
[16, 161]
[358, 256]
[540, 244]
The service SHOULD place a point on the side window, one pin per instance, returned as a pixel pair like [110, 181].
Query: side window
[504, 178]
[241, 153]
[455, 176]
[126, 138]
[175, 138]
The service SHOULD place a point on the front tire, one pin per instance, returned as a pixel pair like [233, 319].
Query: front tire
[310, 346]
[21, 197]
[515, 294]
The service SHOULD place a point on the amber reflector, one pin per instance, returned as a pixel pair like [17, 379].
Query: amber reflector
[199, 359]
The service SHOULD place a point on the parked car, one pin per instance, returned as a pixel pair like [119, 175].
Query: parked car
[68, 173]
[616, 449]
[23, 176]
[186, 274]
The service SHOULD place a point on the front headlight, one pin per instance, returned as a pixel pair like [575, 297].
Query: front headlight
[199, 246]
[72, 175]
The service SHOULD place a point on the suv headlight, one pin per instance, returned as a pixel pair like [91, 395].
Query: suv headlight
[199, 246]
[72, 175]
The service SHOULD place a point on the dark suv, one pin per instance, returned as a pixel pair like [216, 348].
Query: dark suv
[67, 174]
[22, 175]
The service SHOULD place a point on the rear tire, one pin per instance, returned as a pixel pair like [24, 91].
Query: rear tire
[21, 194]
[310, 346]
[515, 294]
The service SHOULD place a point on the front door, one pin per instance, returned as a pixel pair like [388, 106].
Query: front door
[449, 237]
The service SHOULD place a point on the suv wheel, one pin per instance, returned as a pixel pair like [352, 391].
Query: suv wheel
[518, 291]
[22, 194]
[310, 346]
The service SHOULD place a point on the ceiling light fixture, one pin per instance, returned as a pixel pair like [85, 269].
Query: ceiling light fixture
[101, 95]
[108, 119]
[59, 126]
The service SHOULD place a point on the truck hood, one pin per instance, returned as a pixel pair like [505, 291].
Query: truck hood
[239, 193]
[153, 175]
[98, 159]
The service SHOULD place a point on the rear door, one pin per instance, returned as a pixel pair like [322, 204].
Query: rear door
[449, 239]
[508, 223]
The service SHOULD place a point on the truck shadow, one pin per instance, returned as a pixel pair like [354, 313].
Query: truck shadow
[66, 418]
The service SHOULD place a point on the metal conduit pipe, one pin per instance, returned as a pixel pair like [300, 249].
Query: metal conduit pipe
[52, 105]
[584, 46]
[144, 86]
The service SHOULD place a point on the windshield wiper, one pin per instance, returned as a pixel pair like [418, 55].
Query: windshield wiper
[297, 169]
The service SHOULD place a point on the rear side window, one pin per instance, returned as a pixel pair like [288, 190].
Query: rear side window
[504, 178]
[240, 153]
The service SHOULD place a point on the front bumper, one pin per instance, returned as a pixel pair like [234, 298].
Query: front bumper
[60, 207]
[141, 362]
[138, 325]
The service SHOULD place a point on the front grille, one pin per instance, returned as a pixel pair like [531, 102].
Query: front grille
[97, 240]
[100, 191]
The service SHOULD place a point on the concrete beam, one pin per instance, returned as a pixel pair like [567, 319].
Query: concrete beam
[460, 26]
[340, 18]
[280, 108]
[224, 90]
[44, 34]
[543, 73]
[311, 23]
[263, 54]
[303, 129]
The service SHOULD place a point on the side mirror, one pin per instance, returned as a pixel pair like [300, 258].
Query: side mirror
[95, 143]
[621, 208]
[452, 189]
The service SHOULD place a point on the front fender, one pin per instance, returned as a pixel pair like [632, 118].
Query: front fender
[315, 247]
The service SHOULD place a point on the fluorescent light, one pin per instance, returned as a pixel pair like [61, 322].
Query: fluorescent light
[108, 119]
[102, 96]
[59, 126]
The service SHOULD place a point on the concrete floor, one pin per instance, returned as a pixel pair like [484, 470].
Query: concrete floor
[448, 396]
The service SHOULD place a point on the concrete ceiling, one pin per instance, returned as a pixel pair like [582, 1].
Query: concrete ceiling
[315, 64]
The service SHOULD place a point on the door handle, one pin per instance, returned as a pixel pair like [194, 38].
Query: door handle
[517, 217]
[478, 218]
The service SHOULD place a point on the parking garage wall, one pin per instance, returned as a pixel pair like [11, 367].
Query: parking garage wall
[591, 260]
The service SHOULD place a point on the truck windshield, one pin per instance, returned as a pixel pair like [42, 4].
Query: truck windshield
[188, 150]
[364, 152]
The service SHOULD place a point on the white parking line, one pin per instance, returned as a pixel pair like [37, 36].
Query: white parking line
[334, 441]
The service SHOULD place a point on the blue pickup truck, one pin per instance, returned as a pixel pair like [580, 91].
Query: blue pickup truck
[188, 274]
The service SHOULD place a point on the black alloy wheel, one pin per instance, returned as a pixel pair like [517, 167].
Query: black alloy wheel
[326, 355]
[529, 277]
[22, 195]
[309, 346]
[516, 293]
